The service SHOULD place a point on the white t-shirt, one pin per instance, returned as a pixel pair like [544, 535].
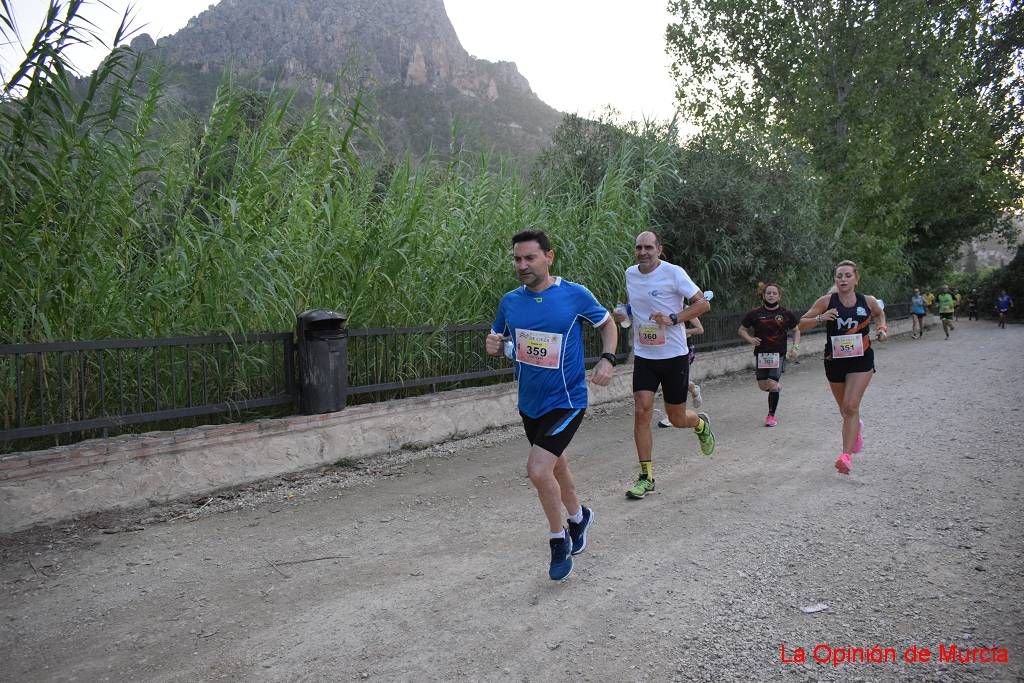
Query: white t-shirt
[663, 290]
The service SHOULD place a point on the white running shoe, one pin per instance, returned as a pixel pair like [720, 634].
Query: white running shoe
[698, 397]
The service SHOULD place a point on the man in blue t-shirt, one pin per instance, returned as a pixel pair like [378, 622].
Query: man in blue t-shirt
[540, 321]
[1004, 302]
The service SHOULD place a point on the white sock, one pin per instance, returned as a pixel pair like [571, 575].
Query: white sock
[556, 534]
[578, 517]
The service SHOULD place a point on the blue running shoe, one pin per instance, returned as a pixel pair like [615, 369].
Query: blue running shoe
[561, 557]
[578, 532]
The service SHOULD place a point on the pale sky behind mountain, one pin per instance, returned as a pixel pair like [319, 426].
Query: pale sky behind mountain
[578, 55]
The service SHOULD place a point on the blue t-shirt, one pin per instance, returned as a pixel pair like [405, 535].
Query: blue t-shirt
[1003, 302]
[917, 305]
[546, 329]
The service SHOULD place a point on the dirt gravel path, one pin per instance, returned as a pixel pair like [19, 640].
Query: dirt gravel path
[432, 566]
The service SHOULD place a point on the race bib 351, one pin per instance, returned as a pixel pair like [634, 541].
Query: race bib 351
[847, 346]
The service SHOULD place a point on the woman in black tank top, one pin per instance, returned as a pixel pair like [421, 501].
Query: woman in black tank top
[849, 357]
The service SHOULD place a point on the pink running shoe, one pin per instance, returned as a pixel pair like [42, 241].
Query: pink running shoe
[843, 464]
[770, 421]
[859, 443]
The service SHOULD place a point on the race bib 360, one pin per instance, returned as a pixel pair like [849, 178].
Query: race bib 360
[651, 334]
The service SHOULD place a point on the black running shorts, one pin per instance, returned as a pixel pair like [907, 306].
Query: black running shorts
[770, 373]
[836, 370]
[553, 430]
[673, 374]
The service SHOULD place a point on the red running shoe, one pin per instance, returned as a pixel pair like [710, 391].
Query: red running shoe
[843, 464]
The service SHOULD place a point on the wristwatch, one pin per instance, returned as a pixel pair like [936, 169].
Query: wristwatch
[610, 357]
[674, 318]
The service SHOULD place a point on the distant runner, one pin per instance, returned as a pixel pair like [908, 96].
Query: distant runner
[1003, 305]
[766, 328]
[972, 305]
[917, 312]
[946, 304]
[929, 299]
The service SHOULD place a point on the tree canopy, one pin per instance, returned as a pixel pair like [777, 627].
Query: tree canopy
[730, 214]
[909, 112]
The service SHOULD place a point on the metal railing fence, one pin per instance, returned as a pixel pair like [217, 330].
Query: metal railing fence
[84, 386]
[67, 391]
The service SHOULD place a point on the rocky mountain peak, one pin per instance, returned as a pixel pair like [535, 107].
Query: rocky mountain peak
[405, 52]
[409, 42]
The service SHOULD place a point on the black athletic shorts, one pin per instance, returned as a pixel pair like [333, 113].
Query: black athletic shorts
[919, 316]
[673, 374]
[837, 369]
[945, 316]
[774, 374]
[553, 430]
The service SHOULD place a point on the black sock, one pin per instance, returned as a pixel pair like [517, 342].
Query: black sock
[773, 402]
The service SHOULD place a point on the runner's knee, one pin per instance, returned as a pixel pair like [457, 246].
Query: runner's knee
[850, 410]
[676, 412]
[643, 412]
[537, 472]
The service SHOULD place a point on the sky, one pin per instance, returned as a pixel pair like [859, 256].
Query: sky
[580, 56]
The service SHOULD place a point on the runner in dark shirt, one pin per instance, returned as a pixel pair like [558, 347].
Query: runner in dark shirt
[972, 305]
[766, 328]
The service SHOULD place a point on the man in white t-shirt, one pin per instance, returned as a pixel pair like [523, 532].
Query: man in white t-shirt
[658, 293]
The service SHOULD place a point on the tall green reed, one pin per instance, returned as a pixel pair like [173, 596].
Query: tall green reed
[138, 224]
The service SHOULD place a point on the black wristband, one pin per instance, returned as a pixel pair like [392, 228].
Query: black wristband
[610, 357]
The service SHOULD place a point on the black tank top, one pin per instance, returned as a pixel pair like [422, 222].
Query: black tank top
[849, 320]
